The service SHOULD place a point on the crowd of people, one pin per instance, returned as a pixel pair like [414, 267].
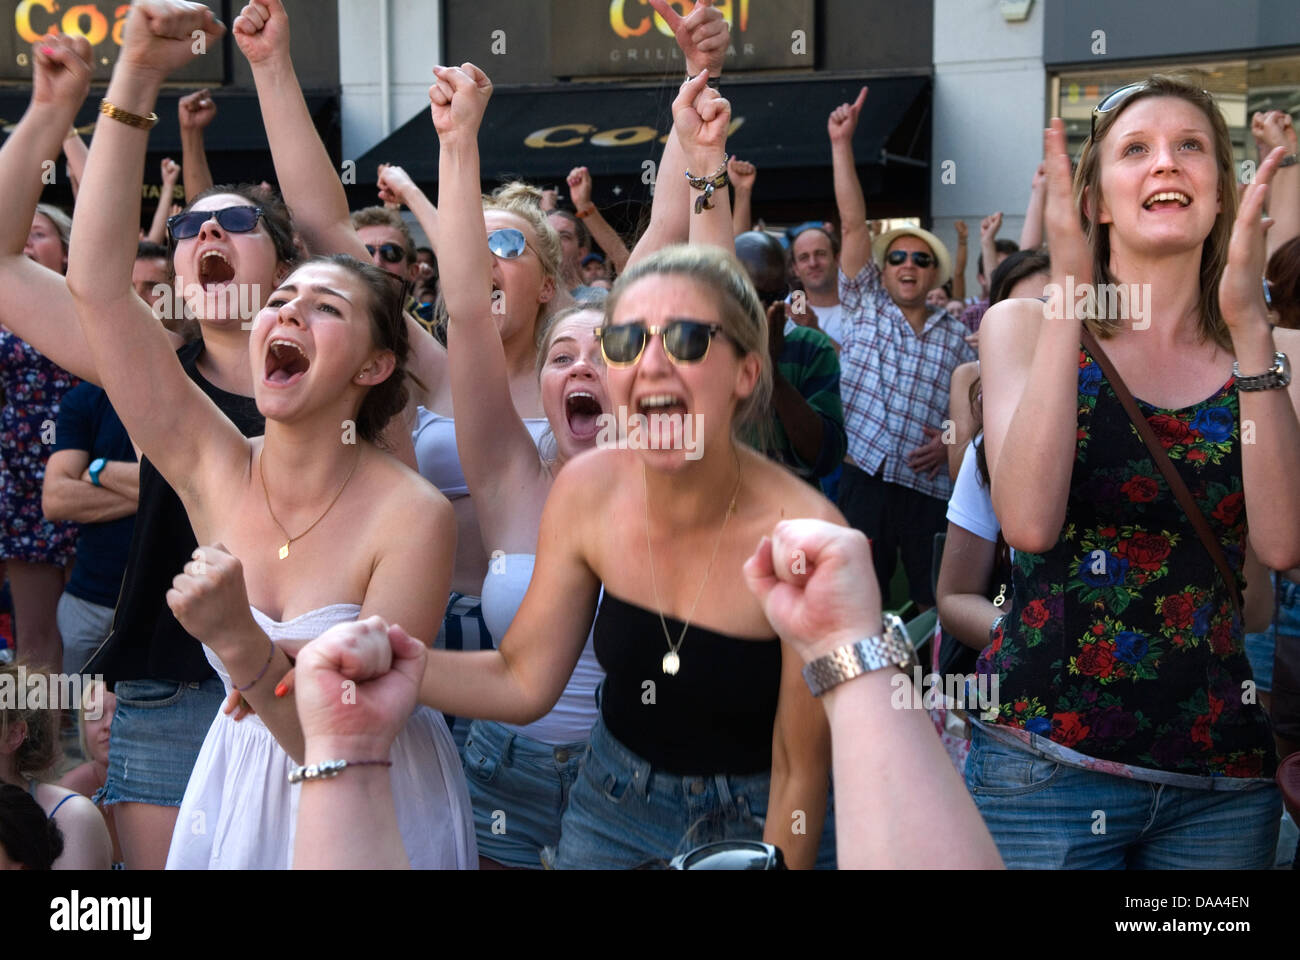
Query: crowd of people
[369, 581]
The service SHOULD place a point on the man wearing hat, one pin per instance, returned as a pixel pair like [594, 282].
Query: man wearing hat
[897, 361]
[593, 268]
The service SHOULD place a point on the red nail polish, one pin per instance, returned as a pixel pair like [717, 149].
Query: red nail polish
[48, 51]
[281, 690]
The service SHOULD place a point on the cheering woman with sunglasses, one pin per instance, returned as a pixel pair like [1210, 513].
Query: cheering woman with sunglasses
[706, 728]
[327, 348]
[1125, 689]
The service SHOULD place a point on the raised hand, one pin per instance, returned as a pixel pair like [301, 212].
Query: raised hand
[170, 170]
[262, 31]
[814, 581]
[990, 226]
[1040, 178]
[742, 174]
[703, 36]
[962, 231]
[164, 35]
[1241, 292]
[701, 117]
[844, 119]
[1271, 130]
[550, 200]
[808, 318]
[61, 70]
[196, 110]
[394, 182]
[1066, 243]
[579, 181]
[379, 665]
[458, 99]
[208, 596]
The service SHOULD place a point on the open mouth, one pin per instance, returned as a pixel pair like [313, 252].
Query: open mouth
[1167, 200]
[663, 404]
[582, 410]
[214, 269]
[285, 363]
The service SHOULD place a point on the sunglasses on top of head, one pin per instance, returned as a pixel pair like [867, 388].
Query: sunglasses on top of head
[685, 341]
[183, 226]
[508, 243]
[1116, 98]
[390, 252]
[896, 258]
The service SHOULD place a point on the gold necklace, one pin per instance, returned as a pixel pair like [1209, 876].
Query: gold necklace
[284, 550]
[672, 662]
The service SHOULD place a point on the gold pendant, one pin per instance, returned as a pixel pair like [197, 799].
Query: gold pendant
[284, 551]
[671, 663]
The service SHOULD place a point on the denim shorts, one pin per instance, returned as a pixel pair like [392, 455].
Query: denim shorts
[623, 814]
[158, 728]
[519, 788]
[1044, 815]
[1260, 647]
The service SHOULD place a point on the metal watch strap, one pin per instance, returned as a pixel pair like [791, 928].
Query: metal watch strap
[1275, 378]
[891, 649]
[1290, 160]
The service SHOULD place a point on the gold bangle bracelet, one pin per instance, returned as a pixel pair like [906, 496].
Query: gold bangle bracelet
[130, 119]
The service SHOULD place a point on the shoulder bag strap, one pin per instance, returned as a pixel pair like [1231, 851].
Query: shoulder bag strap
[1166, 468]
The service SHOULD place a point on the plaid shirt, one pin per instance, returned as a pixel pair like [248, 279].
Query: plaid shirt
[895, 382]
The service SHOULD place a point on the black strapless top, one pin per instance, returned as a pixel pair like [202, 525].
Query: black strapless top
[714, 716]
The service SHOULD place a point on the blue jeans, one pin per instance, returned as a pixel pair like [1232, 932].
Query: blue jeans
[158, 729]
[519, 788]
[1047, 816]
[624, 814]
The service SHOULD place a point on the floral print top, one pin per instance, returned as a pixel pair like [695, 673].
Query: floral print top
[1121, 651]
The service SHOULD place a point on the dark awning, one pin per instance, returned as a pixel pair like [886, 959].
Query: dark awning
[236, 142]
[539, 133]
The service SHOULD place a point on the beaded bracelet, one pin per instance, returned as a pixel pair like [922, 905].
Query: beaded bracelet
[708, 185]
[261, 673]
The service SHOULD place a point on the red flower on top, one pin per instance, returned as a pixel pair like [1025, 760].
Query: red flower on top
[1141, 489]
[1170, 430]
[1178, 610]
[1096, 660]
[1145, 551]
[1229, 509]
[1221, 638]
[1245, 767]
[1035, 614]
[1067, 730]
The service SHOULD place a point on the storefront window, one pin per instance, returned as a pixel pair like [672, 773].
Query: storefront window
[1241, 87]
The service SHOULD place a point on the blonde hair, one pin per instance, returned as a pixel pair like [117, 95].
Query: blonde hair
[525, 201]
[1214, 252]
[743, 318]
[40, 748]
[62, 222]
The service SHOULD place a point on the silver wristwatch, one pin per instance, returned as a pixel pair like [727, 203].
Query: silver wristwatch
[1276, 377]
[892, 649]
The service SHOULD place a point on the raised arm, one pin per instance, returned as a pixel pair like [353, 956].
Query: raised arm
[701, 116]
[959, 266]
[1031, 234]
[989, 228]
[60, 81]
[171, 172]
[196, 111]
[1269, 465]
[855, 248]
[742, 174]
[496, 451]
[605, 235]
[522, 680]
[1272, 130]
[1029, 362]
[186, 435]
[703, 38]
[899, 802]
[76, 151]
[396, 186]
[311, 185]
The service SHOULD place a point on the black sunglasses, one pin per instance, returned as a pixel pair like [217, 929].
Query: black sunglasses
[390, 252]
[896, 258]
[1113, 100]
[183, 226]
[685, 341]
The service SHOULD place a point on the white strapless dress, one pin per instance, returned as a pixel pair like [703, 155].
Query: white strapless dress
[240, 812]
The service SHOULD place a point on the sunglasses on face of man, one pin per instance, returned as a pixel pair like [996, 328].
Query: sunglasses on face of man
[896, 258]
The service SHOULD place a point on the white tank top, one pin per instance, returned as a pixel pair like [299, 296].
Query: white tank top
[503, 592]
